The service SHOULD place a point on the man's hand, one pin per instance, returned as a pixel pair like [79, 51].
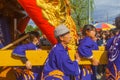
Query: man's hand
[28, 65]
[77, 57]
[95, 62]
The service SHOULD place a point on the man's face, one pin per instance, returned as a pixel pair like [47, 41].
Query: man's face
[66, 38]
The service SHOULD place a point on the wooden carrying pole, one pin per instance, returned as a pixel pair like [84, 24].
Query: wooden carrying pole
[15, 42]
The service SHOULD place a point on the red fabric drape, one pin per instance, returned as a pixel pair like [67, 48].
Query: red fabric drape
[23, 23]
[35, 14]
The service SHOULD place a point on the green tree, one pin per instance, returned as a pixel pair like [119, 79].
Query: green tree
[80, 11]
[30, 28]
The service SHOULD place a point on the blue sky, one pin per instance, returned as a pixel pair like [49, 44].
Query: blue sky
[31, 23]
[106, 10]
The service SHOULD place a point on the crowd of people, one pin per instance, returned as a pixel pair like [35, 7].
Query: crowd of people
[59, 66]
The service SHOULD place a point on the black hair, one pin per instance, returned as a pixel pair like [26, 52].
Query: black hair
[114, 31]
[26, 40]
[88, 27]
[117, 22]
[33, 34]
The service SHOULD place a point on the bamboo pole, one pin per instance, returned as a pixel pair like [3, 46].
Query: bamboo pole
[15, 42]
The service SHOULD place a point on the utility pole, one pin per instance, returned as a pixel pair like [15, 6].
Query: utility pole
[89, 12]
[107, 16]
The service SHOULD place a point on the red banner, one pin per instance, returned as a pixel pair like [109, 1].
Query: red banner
[35, 14]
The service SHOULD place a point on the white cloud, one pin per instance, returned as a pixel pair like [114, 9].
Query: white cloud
[106, 9]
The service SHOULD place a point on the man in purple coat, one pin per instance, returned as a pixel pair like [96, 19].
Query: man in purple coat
[59, 65]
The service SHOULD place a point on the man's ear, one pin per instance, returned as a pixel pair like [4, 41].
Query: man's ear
[61, 38]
